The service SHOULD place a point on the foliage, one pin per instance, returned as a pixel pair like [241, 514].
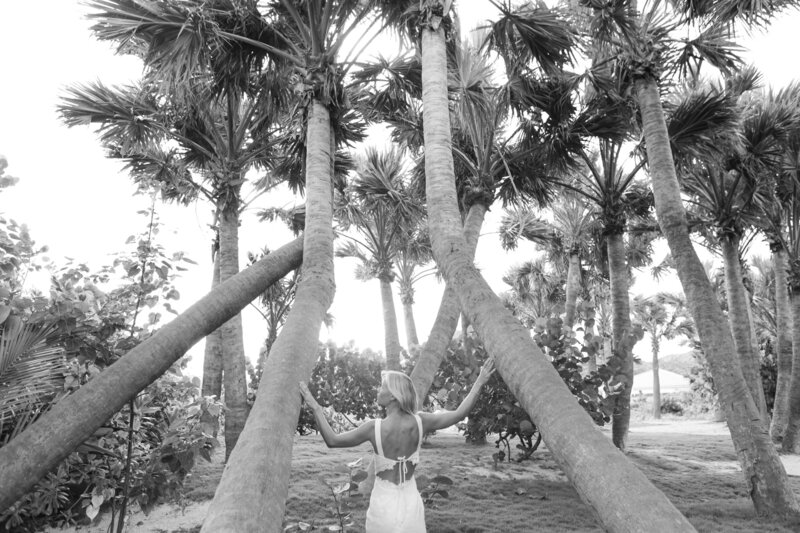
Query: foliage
[497, 411]
[170, 436]
[347, 381]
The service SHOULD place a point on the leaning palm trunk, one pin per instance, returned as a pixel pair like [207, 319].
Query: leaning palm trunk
[391, 337]
[251, 495]
[234, 368]
[408, 319]
[622, 497]
[763, 471]
[573, 286]
[783, 345]
[739, 318]
[621, 335]
[444, 327]
[35, 452]
[212, 357]
[791, 443]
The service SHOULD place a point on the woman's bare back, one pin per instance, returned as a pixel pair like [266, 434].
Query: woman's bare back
[399, 438]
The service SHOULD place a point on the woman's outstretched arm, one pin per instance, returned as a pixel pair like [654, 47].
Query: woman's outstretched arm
[348, 439]
[441, 420]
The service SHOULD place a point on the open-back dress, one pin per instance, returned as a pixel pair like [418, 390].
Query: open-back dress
[395, 505]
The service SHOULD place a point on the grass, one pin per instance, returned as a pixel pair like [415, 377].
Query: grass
[698, 473]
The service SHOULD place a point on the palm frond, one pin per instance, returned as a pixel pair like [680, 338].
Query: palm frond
[31, 372]
[530, 33]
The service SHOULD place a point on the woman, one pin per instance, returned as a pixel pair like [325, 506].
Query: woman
[395, 505]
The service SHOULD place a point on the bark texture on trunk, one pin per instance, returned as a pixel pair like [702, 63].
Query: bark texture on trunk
[75, 418]
[622, 497]
[411, 325]
[391, 336]
[621, 333]
[444, 327]
[763, 471]
[573, 287]
[656, 380]
[251, 495]
[234, 368]
[739, 320]
[783, 319]
[791, 442]
[212, 357]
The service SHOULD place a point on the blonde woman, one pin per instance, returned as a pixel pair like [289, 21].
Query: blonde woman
[395, 505]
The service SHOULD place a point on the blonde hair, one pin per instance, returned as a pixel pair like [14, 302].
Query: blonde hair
[402, 388]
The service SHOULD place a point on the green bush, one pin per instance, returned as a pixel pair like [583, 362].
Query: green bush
[168, 437]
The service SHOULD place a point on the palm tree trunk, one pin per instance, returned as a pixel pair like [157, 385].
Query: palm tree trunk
[573, 286]
[408, 318]
[622, 497]
[621, 336]
[763, 471]
[390, 333]
[234, 368]
[739, 319]
[656, 379]
[251, 495]
[444, 327]
[212, 358]
[791, 443]
[783, 348]
[75, 418]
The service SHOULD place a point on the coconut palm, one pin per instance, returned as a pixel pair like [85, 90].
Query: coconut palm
[568, 430]
[640, 38]
[382, 208]
[662, 316]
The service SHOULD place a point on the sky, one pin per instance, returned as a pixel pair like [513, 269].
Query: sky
[83, 206]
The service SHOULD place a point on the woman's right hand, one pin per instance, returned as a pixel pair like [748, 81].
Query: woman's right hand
[486, 372]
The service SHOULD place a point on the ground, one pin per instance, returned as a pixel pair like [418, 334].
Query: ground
[691, 461]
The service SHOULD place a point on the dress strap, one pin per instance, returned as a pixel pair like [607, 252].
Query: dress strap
[378, 436]
[419, 426]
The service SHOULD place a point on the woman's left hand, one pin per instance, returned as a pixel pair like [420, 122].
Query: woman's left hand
[307, 396]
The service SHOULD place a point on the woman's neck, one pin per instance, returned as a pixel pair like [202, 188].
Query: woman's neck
[393, 409]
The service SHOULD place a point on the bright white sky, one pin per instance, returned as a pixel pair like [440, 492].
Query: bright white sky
[80, 204]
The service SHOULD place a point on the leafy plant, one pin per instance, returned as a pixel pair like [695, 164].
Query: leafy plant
[497, 411]
[432, 489]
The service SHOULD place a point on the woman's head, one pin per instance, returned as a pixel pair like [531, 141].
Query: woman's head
[397, 386]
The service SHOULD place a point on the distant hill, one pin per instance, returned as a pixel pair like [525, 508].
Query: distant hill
[680, 363]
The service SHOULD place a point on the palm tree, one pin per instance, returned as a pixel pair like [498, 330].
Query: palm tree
[222, 136]
[764, 474]
[32, 454]
[413, 252]
[568, 430]
[567, 239]
[662, 316]
[381, 206]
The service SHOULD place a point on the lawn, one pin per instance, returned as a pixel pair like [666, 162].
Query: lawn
[693, 462]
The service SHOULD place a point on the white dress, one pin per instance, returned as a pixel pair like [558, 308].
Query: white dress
[395, 508]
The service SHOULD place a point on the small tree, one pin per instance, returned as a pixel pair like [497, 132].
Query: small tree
[663, 316]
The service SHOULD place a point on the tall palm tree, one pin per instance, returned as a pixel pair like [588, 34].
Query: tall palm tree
[252, 492]
[32, 454]
[382, 208]
[567, 239]
[568, 430]
[662, 316]
[413, 253]
[763, 472]
[222, 140]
